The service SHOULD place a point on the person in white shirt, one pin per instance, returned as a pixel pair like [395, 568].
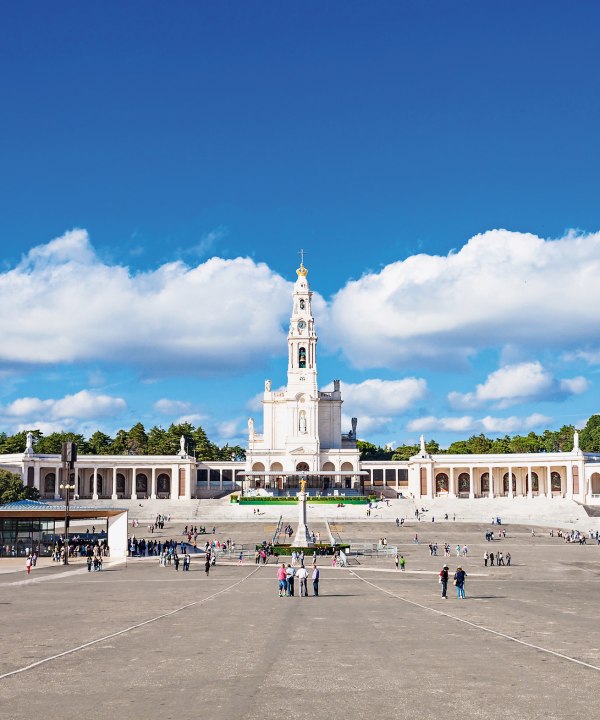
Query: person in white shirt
[302, 575]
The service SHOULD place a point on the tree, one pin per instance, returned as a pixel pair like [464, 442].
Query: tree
[52, 444]
[460, 447]
[158, 442]
[369, 451]
[137, 440]
[589, 439]
[404, 452]
[13, 443]
[100, 443]
[12, 488]
[500, 446]
[120, 445]
[480, 444]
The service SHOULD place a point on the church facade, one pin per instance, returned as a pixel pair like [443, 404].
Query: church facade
[302, 439]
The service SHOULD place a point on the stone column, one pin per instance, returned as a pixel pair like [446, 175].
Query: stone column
[133, 490]
[569, 492]
[429, 471]
[174, 482]
[529, 482]
[56, 484]
[491, 491]
[114, 483]
[451, 485]
[302, 537]
[188, 482]
[221, 479]
[153, 485]
[510, 489]
[549, 480]
[95, 492]
[36, 476]
[471, 483]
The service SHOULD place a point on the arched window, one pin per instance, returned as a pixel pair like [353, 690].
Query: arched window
[463, 483]
[49, 482]
[120, 484]
[302, 467]
[141, 484]
[441, 483]
[555, 482]
[485, 482]
[302, 304]
[302, 357]
[163, 483]
[505, 483]
[535, 482]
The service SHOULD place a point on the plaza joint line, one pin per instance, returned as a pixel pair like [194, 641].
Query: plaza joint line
[476, 626]
[125, 630]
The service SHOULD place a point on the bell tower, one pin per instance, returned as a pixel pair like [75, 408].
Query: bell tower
[302, 339]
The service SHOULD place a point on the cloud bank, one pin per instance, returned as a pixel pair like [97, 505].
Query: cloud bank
[500, 288]
[517, 383]
[62, 303]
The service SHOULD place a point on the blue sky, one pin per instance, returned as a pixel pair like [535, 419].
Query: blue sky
[197, 147]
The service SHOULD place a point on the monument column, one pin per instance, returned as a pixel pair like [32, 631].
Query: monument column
[133, 483]
[510, 486]
[114, 484]
[569, 492]
[95, 486]
[302, 537]
[529, 482]
[549, 480]
[471, 483]
[153, 484]
[491, 488]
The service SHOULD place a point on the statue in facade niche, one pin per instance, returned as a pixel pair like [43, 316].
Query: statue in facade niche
[303, 429]
[267, 386]
[182, 445]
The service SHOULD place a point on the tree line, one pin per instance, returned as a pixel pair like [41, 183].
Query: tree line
[135, 441]
[548, 441]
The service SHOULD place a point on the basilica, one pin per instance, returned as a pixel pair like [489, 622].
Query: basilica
[302, 440]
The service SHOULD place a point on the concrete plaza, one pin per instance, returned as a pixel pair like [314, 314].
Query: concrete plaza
[146, 642]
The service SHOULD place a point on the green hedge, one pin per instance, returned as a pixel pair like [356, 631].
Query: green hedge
[320, 499]
[287, 550]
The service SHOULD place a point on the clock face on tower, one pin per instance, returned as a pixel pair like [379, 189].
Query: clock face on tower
[301, 325]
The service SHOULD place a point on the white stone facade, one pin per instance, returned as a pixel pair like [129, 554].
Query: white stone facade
[302, 426]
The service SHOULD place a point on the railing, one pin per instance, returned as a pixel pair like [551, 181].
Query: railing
[277, 530]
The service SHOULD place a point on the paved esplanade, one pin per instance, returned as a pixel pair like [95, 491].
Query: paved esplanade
[377, 643]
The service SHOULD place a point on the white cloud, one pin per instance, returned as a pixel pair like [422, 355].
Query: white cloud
[574, 386]
[381, 397]
[517, 383]
[164, 406]
[513, 424]
[71, 412]
[192, 418]
[488, 424]
[62, 303]
[375, 402]
[501, 288]
[228, 429]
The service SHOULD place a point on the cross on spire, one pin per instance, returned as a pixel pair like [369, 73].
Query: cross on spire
[301, 253]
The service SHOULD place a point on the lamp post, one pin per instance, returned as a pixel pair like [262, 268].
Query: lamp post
[67, 488]
[68, 457]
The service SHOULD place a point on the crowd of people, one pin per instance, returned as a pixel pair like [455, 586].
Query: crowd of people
[286, 576]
